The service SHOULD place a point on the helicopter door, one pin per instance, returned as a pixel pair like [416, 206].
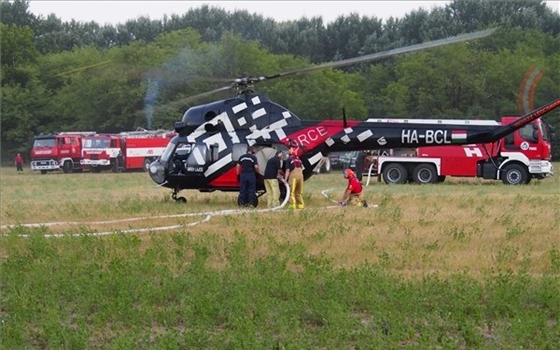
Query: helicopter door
[263, 157]
[198, 158]
[238, 150]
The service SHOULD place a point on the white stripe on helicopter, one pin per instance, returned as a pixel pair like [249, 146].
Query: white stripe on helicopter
[222, 162]
[364, 135]
[259, 113]
[240, 107]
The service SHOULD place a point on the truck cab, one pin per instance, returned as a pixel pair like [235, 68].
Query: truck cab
[57, 151]
[103, 152]
[515, 159]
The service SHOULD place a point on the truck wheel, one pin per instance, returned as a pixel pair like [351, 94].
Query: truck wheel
[441, 178]
[147, 163]
[67, 167]
[43, 172]
[425, 174]
[514, 174]
[395, 173]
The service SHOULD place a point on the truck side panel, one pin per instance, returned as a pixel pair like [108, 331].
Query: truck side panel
[140, 149]
[458, 160]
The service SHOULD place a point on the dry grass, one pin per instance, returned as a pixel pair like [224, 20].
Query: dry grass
[469, 225]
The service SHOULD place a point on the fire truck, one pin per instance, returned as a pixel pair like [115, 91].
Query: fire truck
[133, 150]
[57, 151]
[515, 159]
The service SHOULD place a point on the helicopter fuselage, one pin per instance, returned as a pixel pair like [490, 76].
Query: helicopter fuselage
[213, 136]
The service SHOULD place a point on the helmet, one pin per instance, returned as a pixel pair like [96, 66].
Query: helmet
[348, 174]
[293, 143]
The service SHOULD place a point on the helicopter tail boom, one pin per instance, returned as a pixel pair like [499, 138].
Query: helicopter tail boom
[519, 123]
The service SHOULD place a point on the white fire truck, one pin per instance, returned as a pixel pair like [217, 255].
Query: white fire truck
[133, 150]
[515, 159]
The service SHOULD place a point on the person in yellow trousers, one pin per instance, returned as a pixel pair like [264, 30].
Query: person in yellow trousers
[294, 176]
[272, 173]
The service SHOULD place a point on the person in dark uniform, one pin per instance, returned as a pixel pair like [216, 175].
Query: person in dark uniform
[294, 176]
[247, 169]
[281, 181]
[272, 173]
[360, 160]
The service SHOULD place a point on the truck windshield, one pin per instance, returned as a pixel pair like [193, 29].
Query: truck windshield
[545, 130]
[44, 143]
[96, 142]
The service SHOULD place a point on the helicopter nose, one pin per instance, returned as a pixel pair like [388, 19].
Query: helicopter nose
[157, 172]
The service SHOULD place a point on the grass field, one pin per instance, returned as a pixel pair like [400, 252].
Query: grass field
[464, 264]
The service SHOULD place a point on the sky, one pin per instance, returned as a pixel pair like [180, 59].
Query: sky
[114, 12]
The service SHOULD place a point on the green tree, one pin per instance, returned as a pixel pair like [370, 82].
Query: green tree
[16, 12]
[18, 52]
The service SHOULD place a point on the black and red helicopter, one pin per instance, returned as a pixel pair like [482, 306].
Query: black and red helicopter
[211, 137]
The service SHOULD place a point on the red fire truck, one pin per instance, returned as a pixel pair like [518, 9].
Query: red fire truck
[58, 151]
[515, 159]
[133, 150]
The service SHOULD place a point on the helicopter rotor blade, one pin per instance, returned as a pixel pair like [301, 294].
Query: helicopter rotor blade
[207, 93]
[71, 71]
[380, 55]
[245, 83]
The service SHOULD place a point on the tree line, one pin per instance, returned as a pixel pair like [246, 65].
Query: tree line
[61, 76]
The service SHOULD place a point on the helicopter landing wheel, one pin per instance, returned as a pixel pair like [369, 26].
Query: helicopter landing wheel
[178, 199]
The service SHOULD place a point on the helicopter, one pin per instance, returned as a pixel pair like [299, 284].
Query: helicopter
[212, 137]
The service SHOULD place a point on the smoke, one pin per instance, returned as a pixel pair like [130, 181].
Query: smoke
[171, 79]
[149, 100]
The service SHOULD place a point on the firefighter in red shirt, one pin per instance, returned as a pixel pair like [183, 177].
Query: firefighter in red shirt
[19, 163]
[353, 193]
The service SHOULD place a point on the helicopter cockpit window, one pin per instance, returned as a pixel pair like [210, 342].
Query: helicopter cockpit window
[168, 151]
[180, 156]
[183, 150]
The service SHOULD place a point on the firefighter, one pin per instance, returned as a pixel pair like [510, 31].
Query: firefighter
[294, 176]
[247, 169]
[19, 163]
[272, 173]
[353, 193]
